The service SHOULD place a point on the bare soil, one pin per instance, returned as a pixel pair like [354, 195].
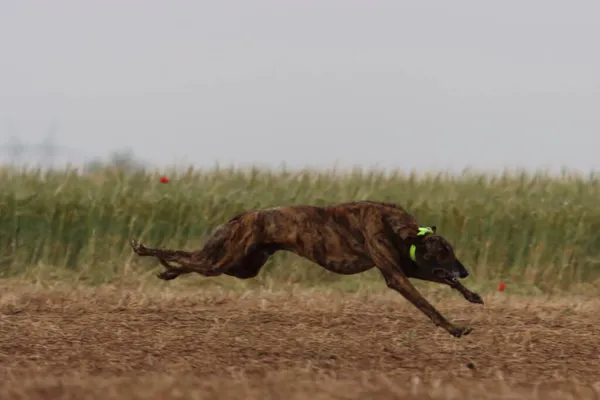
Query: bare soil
[111, 343]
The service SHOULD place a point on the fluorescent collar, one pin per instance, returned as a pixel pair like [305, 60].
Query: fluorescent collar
[413, 249]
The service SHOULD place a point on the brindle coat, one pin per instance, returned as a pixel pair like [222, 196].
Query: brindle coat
[347, 238]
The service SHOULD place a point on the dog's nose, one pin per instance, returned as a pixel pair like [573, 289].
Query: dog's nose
[462, 271]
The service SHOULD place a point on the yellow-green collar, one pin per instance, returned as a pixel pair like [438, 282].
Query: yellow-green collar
[413, 249]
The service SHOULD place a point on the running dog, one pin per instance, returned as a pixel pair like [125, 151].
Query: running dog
[347, 238]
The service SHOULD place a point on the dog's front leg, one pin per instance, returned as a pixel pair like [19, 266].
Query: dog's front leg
[384, 256]
[467, 294]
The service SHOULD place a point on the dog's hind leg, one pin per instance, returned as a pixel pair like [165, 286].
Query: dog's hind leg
[251, 265]
[228, 247]
[171, 272]
[188, 261]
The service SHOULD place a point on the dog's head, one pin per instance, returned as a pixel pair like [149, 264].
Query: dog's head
[433, 253]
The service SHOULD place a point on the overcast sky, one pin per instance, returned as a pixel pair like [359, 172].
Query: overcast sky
[410, 84]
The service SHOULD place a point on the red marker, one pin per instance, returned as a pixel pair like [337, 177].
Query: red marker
[501, 287]
[164, 179]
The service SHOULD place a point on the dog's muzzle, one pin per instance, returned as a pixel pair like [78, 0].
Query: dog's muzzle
[450, 277]
[461, 273]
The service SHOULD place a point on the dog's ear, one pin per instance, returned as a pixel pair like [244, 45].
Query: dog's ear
[411, 236]
[413, 240]
[415, 235]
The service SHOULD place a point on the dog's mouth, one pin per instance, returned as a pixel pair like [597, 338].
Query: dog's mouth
[448, 277]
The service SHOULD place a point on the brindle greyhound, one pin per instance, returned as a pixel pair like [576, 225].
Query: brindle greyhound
[347, 239]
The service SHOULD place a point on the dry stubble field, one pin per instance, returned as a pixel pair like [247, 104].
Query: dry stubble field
[172, 342]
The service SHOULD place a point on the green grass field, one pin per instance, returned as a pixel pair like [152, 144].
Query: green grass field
[535, 232]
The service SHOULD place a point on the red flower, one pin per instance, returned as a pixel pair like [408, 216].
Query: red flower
[164, 179]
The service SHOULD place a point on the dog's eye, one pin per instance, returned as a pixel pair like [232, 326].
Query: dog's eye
[429, 257]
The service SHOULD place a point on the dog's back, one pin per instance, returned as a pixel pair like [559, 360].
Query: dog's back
[319, 232]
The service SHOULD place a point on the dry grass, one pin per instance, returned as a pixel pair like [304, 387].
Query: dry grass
[535, 230]
[173, 342]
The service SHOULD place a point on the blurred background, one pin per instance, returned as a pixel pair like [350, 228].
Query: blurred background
[391, 84]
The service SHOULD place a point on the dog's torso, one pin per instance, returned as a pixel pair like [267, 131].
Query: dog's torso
[333, 236]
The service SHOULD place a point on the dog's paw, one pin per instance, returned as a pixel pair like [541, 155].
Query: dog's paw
[167, 275]
[474, 298]
[459, 332]
[137, 247]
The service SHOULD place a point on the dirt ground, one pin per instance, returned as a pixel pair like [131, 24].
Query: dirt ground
[111, 343]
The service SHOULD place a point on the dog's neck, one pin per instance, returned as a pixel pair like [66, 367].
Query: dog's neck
[412, 251]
